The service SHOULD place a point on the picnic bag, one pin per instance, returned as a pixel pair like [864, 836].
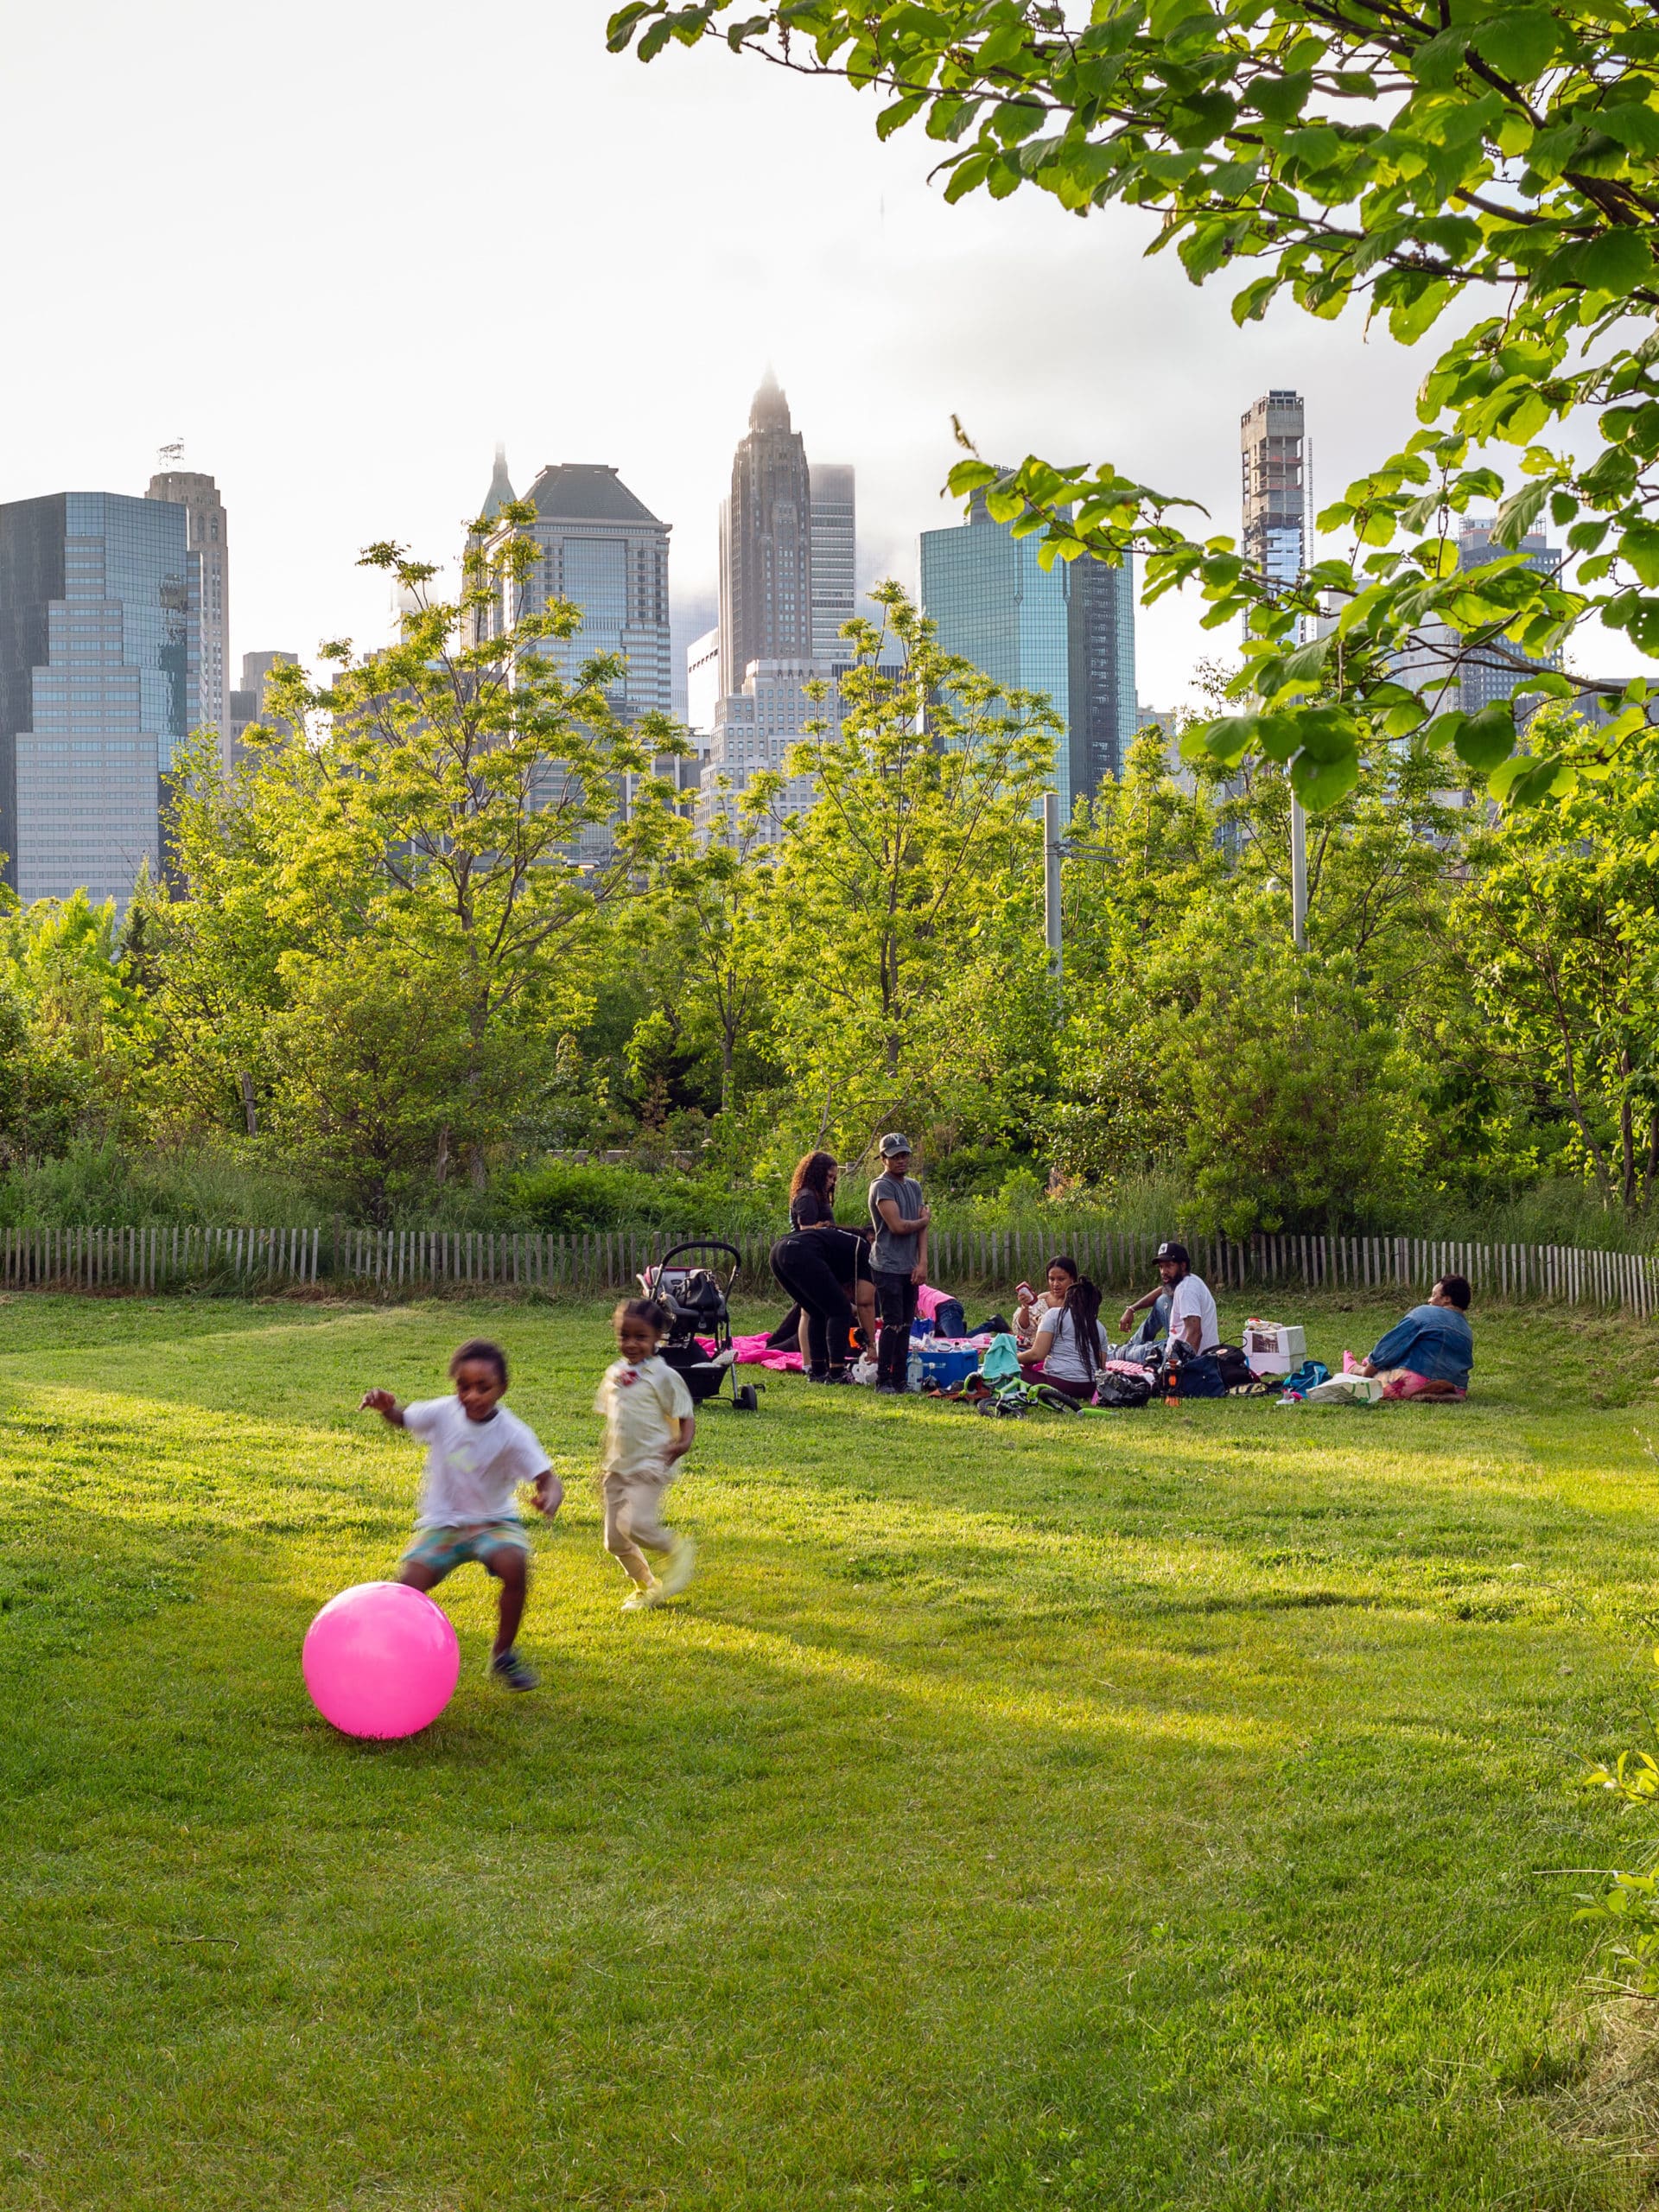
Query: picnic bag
[1198, 1374]
[1122, 1393]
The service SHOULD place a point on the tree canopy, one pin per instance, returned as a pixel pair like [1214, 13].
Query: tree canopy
[1473, 169]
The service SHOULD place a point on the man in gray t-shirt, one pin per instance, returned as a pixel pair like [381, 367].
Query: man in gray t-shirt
[898, 1258]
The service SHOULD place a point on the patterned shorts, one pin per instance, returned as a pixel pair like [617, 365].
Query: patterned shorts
[441, 1551]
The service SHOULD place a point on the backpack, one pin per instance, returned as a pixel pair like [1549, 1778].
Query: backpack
[1198, 1374]
[1236, 1371]
[1124, 1392]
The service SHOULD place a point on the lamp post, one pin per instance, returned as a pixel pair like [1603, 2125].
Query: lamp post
[1052, 854]
[1297, 874]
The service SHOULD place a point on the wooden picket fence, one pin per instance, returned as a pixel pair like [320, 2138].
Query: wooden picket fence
[986, 1263]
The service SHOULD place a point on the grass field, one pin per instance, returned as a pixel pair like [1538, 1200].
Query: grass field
[1140, 1810]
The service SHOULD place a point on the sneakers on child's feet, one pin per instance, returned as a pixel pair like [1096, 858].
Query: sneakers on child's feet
[681, 1560]
[506, 1667]
[643, 1597]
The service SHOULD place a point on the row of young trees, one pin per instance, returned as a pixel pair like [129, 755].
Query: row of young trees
[379, 958]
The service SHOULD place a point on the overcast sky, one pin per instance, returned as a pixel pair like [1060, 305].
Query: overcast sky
[339, 249]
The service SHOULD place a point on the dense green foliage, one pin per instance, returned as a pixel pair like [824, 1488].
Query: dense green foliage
[1149, 1810]
[1473, 1017]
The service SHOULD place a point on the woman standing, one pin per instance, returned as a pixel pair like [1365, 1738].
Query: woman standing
[818, 1264]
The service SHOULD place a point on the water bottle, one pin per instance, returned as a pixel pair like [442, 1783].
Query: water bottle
[913, 1371]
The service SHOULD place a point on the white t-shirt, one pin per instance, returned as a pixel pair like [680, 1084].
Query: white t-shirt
[1191, 1299]
[641, 1406]
[1062, 1358]
[474, 1468]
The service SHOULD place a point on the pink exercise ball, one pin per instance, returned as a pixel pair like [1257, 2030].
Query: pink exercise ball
[381, 1660]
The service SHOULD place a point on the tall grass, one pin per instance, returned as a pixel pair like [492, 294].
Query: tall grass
[104, 1186]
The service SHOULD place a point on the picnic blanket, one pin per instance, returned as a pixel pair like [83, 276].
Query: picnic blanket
[756, 1352]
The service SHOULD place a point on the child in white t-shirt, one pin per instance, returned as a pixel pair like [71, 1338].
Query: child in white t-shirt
[649, 1427]
[477, 1455]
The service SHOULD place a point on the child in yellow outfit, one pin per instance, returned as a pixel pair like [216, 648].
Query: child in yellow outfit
[649, 1427]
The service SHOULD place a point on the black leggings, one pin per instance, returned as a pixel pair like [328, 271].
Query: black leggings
[800, 1265]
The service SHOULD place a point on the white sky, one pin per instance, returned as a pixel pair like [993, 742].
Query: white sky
[339, 249]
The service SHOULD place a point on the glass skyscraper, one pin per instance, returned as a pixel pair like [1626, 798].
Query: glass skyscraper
[1067, 631]
[100, 674]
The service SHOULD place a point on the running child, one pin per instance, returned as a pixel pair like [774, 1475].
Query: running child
[477, 1454]
[648, 1430]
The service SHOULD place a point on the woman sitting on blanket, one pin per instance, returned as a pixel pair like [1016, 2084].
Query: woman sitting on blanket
[1034, 1304]
[1430, 1353]
[1068, 1347]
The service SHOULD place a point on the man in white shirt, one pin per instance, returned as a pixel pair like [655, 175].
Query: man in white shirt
[1183, 1303]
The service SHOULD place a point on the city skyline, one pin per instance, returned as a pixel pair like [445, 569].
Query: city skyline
[883, 310]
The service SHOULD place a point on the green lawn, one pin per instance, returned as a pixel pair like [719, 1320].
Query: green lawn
[1137, 1810]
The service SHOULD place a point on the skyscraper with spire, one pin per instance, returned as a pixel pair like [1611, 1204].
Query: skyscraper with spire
[500, 489]
[766, 544]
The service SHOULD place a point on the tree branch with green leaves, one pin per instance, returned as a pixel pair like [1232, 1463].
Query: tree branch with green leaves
[1404, 155]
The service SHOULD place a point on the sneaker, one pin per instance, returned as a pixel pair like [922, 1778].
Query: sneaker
[640, 1601]
[888, 1390]
[834, 1375]
[507, 1668]
[681, 1560]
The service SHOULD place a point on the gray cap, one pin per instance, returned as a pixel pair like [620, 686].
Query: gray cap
[893, 1142]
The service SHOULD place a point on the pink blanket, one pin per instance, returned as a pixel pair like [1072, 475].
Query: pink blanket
[754, 1352]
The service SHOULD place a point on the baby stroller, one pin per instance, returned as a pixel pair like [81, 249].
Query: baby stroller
[697, 1303]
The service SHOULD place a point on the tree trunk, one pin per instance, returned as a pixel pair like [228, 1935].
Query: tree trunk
[249, 1110]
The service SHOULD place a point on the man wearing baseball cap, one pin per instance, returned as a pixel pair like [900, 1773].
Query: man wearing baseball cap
[898, 1258]
[1183, 1305]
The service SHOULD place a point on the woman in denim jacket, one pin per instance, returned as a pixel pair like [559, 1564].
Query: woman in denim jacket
[1430, 1353]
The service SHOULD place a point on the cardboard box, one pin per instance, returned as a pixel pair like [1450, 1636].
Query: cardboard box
[1272, 1350]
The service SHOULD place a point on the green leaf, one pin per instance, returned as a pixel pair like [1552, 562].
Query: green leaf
[1444, 730]
[1279, 100]
[1522, 781]
[1617, 262]
[1519, 43]
[1517, 515]
[1487, 737]
[1323, 783]
[1227, 740]
[1417, 311]
[1639, 545]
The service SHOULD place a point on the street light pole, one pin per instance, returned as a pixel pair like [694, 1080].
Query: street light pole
[1052, 851]
[1297, 874]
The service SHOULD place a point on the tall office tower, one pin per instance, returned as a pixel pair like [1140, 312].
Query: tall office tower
[703, 681]
[602, 547]
[210, 545]
[1272, 452]
[766, 544]
[1067, 631]
[97, 654]
[758, 726]
[834, 559]
[248, 705]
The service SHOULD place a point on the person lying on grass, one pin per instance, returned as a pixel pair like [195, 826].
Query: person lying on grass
[649, 1427]
[1430, 1353]
[477, 1454]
